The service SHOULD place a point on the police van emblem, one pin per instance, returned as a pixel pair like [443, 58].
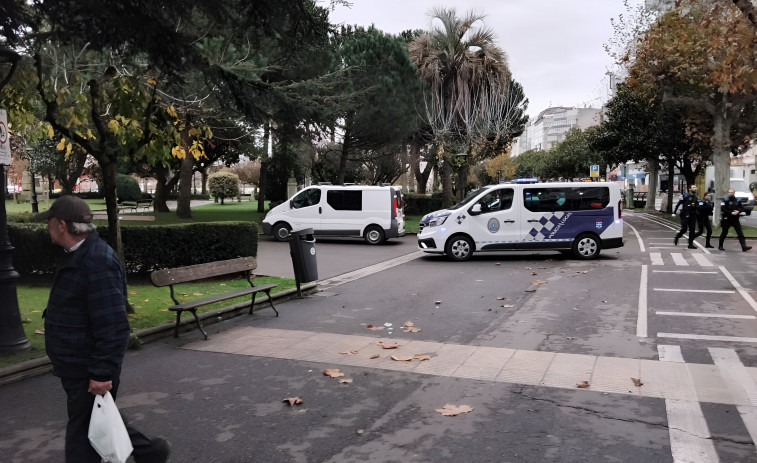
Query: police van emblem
[460, 219]
[493, 225]
[599, 224]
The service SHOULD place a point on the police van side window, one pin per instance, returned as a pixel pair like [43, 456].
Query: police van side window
[566, 199]
[309, 197]
[345, 200]
[497, 200]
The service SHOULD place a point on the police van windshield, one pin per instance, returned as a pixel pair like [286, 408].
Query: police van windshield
[738, 185]
[469, 198]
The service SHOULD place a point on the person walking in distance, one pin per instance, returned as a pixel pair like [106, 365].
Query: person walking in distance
[86, 329]
[731, 209]
[704, 212]
[688, 204]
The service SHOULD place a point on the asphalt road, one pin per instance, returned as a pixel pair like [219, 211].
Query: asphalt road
[649, 302]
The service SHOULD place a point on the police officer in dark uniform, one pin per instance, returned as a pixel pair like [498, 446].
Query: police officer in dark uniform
[704, 211]
[731, 209]
[688, 204]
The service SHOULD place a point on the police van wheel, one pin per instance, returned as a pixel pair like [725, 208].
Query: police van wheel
[586, 246]
[281, 231]
[459, 248]
[374, 234]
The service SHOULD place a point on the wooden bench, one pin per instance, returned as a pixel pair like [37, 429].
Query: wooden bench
[175, 276]
[145, 204]
[244, 195]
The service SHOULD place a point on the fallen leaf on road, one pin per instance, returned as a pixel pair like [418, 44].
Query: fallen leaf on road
[421, 357]
[501, 298]
[549, 333]
[538, 282]
[530, 290]
[497, 264]
[42, 331]
[333, 372]
[569, 338]
[409, 327]
[293, 401]
[360, 431]
[583, 385]
[345, 381]
[402, 358]
[637, 382]
[534, 273]
[132, 292]
[437, 302]
[375, 356]
[384, 345]
[374, 328]
[508, 306]
[454, 410]
[349, 352]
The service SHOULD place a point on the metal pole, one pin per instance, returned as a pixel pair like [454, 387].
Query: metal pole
[33, 186]
[12, 336]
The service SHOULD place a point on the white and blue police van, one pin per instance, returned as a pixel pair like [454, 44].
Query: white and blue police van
[571, 217]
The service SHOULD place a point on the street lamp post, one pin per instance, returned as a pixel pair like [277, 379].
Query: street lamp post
[12, 336]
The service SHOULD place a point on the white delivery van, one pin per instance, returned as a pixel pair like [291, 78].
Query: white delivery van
[374, 213]
[578, 218]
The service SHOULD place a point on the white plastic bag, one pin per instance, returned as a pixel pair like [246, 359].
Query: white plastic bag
[107, 432]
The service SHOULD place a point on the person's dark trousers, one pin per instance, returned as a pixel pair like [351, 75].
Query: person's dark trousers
[687, 223]
[726, 224]
[79, 404]
[702, 223]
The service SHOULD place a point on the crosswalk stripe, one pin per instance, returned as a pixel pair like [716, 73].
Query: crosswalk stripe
[702, 260]
[706, 315]
[690, 438]
[738, 381]
[656, 258]
[683, 290]
[704, 337]
[678, 259]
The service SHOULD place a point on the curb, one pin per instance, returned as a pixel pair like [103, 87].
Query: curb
[41, 365]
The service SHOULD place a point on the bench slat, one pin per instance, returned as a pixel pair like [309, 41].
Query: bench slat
[221, 297]
[200, 271]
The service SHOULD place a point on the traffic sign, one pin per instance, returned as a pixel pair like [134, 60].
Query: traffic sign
[594, 171]
[5, 143]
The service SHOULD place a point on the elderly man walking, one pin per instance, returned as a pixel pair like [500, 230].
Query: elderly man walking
[86, 329]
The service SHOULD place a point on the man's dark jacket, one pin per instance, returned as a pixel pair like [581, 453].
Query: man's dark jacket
[86, 329]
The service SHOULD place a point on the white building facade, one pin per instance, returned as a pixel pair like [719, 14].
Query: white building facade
[551, 126]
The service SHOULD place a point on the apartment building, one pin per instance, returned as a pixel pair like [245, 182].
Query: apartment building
[551, 126]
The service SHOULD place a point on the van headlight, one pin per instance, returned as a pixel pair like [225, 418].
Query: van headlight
[435, 222]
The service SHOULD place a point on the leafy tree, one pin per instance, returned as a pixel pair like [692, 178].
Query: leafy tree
[469, 96]
[501, 167]
[127, 188]
[530, 164]
[702, 55]
[223, 185]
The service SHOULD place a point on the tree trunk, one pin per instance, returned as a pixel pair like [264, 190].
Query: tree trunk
[671, 173]
[446, 179]
[415, 163]
[183, 207]
[111, 205]
[721, 159]
[264, 167]
[204, 178]
[653, 165]
[343, 157]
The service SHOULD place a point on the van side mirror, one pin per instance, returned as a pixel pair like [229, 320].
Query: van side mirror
[291, 204]
[476, 209]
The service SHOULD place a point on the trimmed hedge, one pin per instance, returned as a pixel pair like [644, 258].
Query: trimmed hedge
[146, 248]
[421, 204]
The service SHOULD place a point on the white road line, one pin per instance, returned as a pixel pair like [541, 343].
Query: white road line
[638, 237]
[706, 315]
[641, 317]
[670, 353]
[363, 272]
[744, 293]
[678, 259]
[656, 258]
[683, 271]
[664, 223]
[702, 260]
[690, 439]
[662, 247]
[749, 415]
[703, 337]
[734, 373]
[679, 290]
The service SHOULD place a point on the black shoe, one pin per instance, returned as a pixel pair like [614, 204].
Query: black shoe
[157, 452]
[708, 245]
[720, 248]
[675, 241]
[746, 248]
[691, 246]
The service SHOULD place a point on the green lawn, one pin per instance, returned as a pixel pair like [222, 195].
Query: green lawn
[749, 232]
[150, 304]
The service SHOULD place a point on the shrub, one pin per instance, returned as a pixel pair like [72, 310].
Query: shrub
[223, 185]
[421, 204]
[146, 248]
[127, 188]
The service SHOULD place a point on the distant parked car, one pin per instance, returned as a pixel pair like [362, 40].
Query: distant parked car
[14, 189]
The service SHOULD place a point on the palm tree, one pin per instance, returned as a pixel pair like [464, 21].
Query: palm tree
[467, 81]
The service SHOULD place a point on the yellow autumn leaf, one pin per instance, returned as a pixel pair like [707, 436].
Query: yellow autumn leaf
[69, 147]
[194, 132]
[152, 81]
[171, 112]
[50, 131]
[61, 145]
[178, 152]
[113, 126]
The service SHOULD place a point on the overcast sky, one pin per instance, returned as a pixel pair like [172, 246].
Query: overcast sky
[555, 47]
